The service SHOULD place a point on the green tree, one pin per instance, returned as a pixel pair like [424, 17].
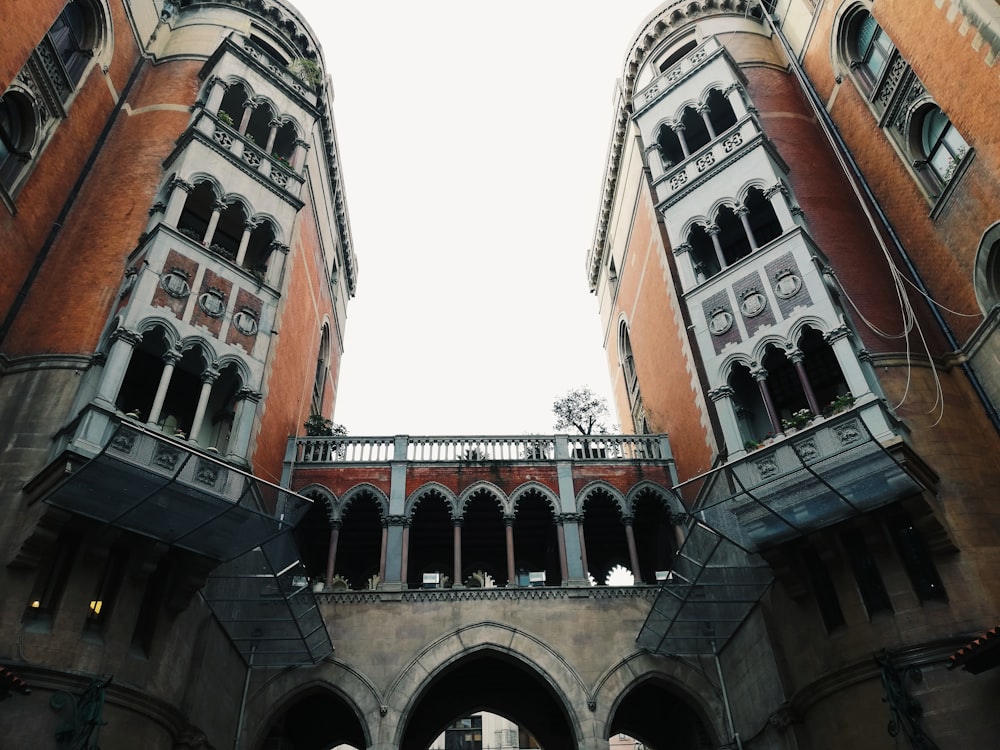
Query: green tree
[583, 410]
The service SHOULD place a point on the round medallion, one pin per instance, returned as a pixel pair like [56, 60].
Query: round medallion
[787, 285]
[175, 284]
[720, 322]
[753, 304]
[245, 322]
[212, 303]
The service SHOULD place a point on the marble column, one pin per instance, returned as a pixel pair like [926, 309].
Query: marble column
[170, 360]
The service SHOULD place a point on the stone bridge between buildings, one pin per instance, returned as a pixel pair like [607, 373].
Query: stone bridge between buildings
[457, 575]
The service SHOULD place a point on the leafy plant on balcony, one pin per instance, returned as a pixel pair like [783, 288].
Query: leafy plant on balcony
[307, 71]
[839, 404]
[319, 426]
[225, 117]
[751, 445]
[224, 252]
[284, 162]
[189, 233]
[474, 455]
[798, 420]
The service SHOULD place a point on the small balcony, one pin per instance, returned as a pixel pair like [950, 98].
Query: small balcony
[831, 470]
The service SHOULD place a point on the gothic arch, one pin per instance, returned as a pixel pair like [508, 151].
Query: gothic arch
[348, 497]
[189, 343]
[169, 330]
[671, 501]
[684, 680]
[533, 654]
[986, 273]
[599, 484]
[241, 366]
[324, 495]
[483, 486]
[421, 492]
[772, 339]
[810, 321]
[539, 488]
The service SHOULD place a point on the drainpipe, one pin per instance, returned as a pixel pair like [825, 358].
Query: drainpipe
[243, 700]
[857, 178]
[733, 734]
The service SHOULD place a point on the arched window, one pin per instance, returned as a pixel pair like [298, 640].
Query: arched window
[821, 366]
[751, 414]
[676, 56]
[670, 146]
[74, 35]
[229, 231]
[732, 236]
[720, 111]
[870, 47]
[695, 132]
[259, 248]
[197, 211]
[626, 359]
[322, 369]
[259, 126]
[703, 255]
[17, 135]
[763, 221]
[284, 143]
[942, 147]
[231, 109]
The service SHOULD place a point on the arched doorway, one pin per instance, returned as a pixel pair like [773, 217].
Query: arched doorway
[658, 715]
[488, 680]
[317, 719]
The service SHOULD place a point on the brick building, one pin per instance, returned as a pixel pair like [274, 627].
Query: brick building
[795, 265]
[177, 265]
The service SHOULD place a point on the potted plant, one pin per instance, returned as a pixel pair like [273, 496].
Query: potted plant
[841, 403]
[224, 117]
[307, 71]
[797, 420]
[751, 445]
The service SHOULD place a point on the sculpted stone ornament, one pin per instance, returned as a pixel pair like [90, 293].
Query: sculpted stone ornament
[720, 322]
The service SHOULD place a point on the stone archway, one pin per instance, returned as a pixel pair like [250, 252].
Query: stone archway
[489, 679]
[315, 718]
[657, 714]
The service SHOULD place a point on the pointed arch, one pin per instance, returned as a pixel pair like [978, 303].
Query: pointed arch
[670, 499]
[600, 485]
[325, 495]
[426, 489]
[482, 486]
[538, 488]
[348, 497]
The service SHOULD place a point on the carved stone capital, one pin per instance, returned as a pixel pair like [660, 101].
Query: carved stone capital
[210, 375]
[684, 247]
[397, 520]
[794, 354]
[712, 229]
[129, 336]
[219, 206]
[758, 373]
[723, 391]
[569, 518]
[172, 357]
[184, 185]
[248, 394]
[157, 208]
[836, 334]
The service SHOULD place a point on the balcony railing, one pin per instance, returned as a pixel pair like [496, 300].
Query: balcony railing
[479, 450]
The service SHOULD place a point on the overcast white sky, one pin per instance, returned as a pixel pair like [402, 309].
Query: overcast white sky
[473, 137]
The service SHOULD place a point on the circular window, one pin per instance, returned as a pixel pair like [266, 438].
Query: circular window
[245, 322]
[212, 303]
[175, 284]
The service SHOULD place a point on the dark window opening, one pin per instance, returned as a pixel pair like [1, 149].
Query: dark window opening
[284, 143]
[197, 212]
[143, 374]
[604, 536]
[941, 145]
[751, 413]
[269, 50]
[229, 231]
[17, 135]
[536, 545]
[821, 366]
[259, 126]
[720, 111]
[232, 104]
[221, 410]
[823, 589]
[259, 248]
[866, 573]
[703, 255]
[100, 607]
[872, 47]
[783, 383]
[696, 133]
[676, 56]
[153, 598]
[51, 583]
[732, 236]
[322, 368]
[764, 224]
[73, 36]
[917, 560]
[670, 147]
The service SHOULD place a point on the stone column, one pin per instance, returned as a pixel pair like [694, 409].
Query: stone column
[633, 553]
[508, 525]
[123, 342]
[215, 90]
[678, 128]
[723, 399]
[561, 540]
[796, 356]
[276, 264]
[457, 544]
[760, 375]
[239, 438]
[299, 155]
[272, 134]
[677, 520]
[382, 555]
[839, 340]
[744, 213]
[217, 208]
[583, 548]
[703, 110]
[404, 552]
[735, 96]
[713, 233]
[208, 379]
[331, 556]
[777, 194]
[248, 107]
[179, 190]
[248, 226]
[170, 360]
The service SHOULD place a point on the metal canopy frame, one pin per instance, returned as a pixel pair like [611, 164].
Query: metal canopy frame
[148, 484]
[264, 602]
[163, 489]
[711, 589]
